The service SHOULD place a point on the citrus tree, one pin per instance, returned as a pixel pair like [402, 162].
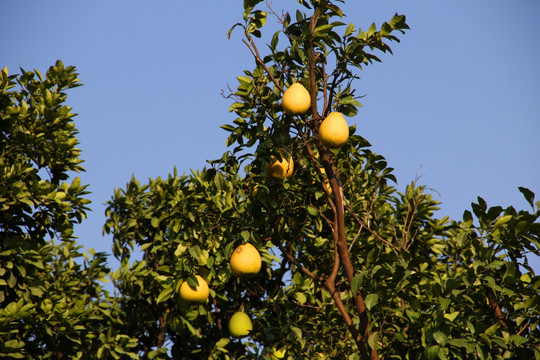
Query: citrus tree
[351, 268]
[52, 301]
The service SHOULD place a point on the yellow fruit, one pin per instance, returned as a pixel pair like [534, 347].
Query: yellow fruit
[245, 260]
[196, 295]
[240, 324]
[334, 130]
[280, 169]
[296, 100]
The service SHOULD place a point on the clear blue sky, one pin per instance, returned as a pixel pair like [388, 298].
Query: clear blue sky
[457, 102]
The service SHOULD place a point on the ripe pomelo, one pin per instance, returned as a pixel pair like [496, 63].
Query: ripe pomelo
[245, 261]
[280, 169]
[296, 100]
[195, 295]
[334, 130]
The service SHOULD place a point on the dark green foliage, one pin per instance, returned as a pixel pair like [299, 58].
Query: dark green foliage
[52, 304]
[410, 285]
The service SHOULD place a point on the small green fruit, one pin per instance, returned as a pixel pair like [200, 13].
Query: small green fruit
[240, 324]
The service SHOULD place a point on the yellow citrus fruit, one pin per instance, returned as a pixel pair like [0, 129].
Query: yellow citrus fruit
[296, 100]
[240, 324]
[196, 295]
[334, 130]
[280, 169]
[246, 260]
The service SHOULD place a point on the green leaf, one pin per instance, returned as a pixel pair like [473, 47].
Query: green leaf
[451, 316]
[502, 220]
[323, 29]
[15, 355]
[371, 300]
[440, 337]
[189, 326]
[193, 281]
[350, 29]
[528, 194]
[355, 285]
[482, 352]
[386, 29]
[432, 353]
[221, 343]
[463, 344]
[244, 80]
[373, 339]
[164, 295]
[180, 249]
[227, 127]
[250, 4]
[467, 217]
[231, 29]
[195, 252]
[14, 344]
[300, 297]
[372, 29]
[518, 340]
[297, 332]
[258, 20]
[335, 9]
[492, 330]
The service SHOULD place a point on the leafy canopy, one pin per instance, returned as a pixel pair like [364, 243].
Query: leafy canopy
[352, 268]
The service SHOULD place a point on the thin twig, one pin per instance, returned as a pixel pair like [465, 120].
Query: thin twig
[357, 234]
[371, 231]
[325, 83]
[295, 261]
[253, 48]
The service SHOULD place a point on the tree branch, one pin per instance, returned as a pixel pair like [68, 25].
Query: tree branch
[347, 318]
[253, 48]
[495, 307]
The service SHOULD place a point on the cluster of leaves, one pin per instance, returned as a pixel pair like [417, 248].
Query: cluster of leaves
[183, 225]
[52, 303]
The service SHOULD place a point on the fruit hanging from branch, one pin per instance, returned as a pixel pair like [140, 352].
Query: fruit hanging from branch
[334, 130]
[240, 324]
[245, 261]
[195, 295]
[296, 100]
[280, 169]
